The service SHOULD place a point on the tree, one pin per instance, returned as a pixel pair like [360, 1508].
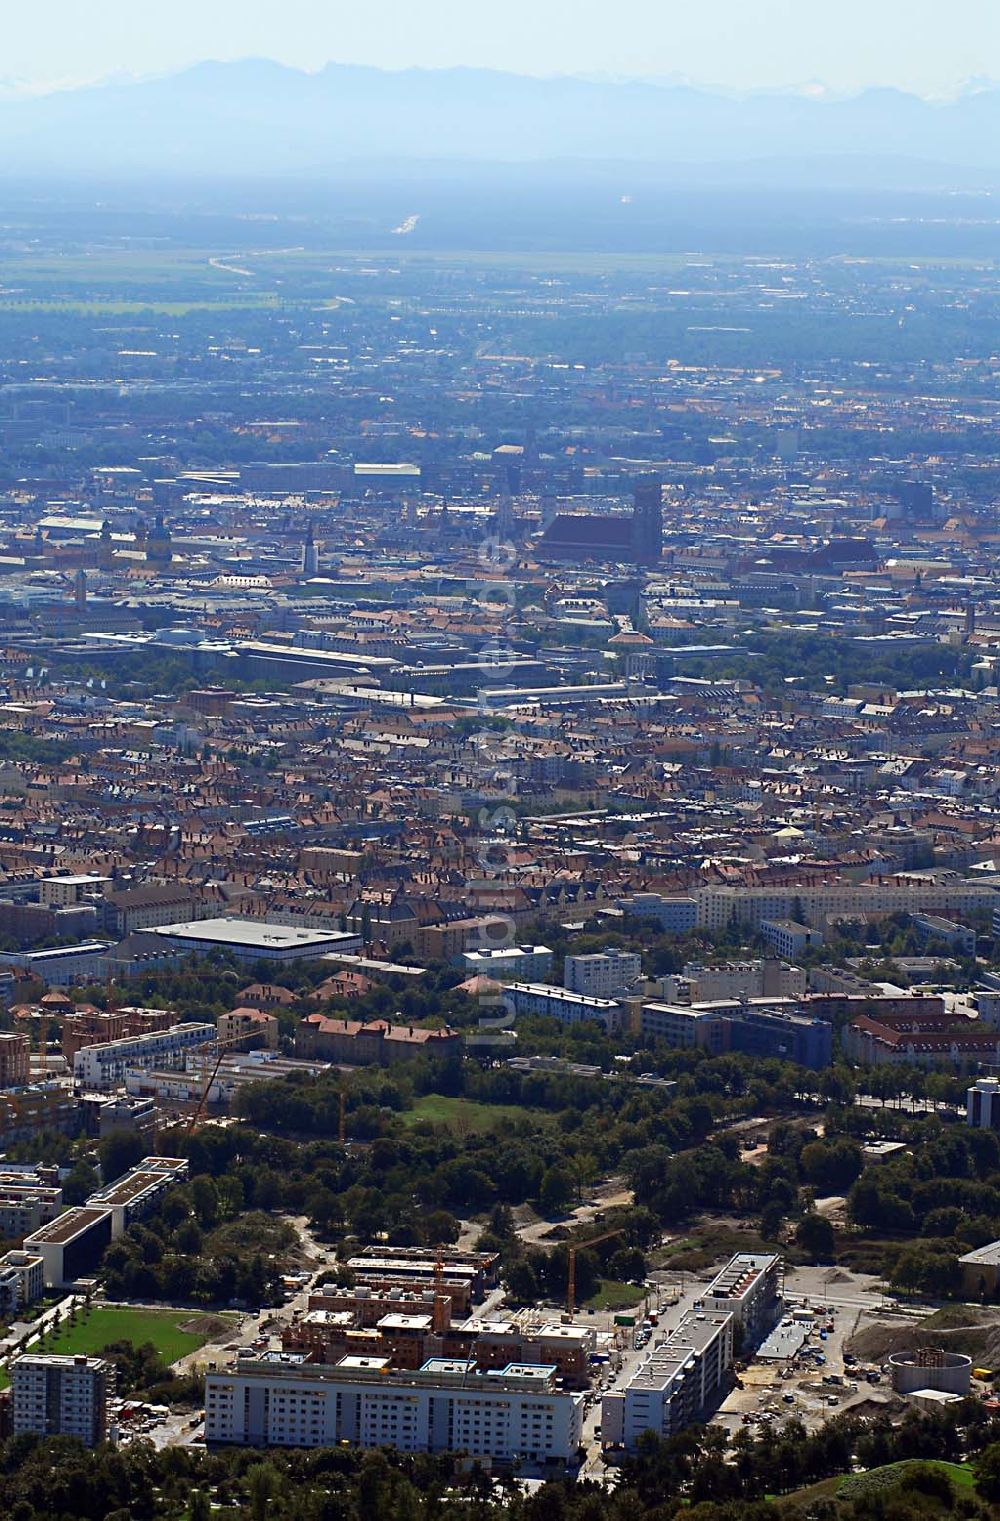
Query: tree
[119, 1152]
[522, 1282]
[814, 1234]
[771, 1217]
[988, 1474]
[79, 1183]
[558, 1188]
[205, 1199]
[261, 1485]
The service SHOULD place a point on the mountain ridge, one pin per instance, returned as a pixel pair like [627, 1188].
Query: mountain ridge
[258, 117]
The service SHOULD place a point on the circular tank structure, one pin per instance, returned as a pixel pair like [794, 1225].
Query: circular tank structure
[931, 1368]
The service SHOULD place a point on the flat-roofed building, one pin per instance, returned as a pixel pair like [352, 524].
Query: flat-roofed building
[982, 1104]
[509, 963]
[481, 1268]
[674, 915]
[365, 1305]
[602, 974]
[682, 1027]
[541, 998]
[139, 1192]
[105, 1066]
[444, 1406]
[750, 1288]
[24, 1207]
[62, 966]
[60, 892]
[61, 1396]
[71, 1246]
[24, 1112]
[22, 1281]
[681, 1381]
[255, 940]
[494, 1344]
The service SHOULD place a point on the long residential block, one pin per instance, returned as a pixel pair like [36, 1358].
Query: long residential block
[680, 1382]
[105, 1066]
[281, 1400]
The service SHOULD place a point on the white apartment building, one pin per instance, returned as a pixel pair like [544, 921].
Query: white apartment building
[558, 1003]
[104, 1066]
[680, 1382]
[60, 892]
[675, 916]
[750, 1288]
[509, 963]
[756, 978]
[681, 1027]
[719, 906]
[139, 1192]
[603, 974]
[22, 1281]
[61, 1396]
[982, 1104]
[789, 939]
[280, 1400]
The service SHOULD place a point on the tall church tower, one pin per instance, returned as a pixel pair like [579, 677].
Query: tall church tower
[647, 520]
[503, 518]
[106, 554]
[310, 554]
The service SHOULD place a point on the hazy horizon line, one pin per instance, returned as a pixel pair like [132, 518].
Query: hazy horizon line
[817, 90]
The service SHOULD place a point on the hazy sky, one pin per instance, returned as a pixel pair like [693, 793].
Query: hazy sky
[923, 45]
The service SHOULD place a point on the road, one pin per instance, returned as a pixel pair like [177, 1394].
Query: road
[632, 1358]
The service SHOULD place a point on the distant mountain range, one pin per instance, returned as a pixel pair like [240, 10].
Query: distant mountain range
[258, 118]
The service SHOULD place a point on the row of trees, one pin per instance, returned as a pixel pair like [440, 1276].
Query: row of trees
[699, 1475]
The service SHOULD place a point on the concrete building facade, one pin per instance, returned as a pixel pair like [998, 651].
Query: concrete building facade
[445, 1406]
[61, 1396]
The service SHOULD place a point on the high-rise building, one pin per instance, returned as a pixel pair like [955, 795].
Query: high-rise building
[647, 520]
[982, 1104]
[602, 974]
[61, 1396]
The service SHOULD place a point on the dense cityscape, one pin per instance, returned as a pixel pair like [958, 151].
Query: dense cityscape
[499, 872]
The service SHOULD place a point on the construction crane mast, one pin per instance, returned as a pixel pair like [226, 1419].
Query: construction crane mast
[571, 1265]
[221, 1047]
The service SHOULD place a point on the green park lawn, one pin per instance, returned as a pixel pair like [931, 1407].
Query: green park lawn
[465, 1117]
[103, 1326]
[613, 1295]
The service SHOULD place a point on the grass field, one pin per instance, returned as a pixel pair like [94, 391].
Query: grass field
[101, 1327]
[852, 1486]
[467, 1118]
[613, 1295]
[705, 1246]
[858, 1484]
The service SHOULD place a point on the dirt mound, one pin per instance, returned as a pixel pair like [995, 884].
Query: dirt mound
[867, 1410]
[976, 1333]
[211, 1326]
